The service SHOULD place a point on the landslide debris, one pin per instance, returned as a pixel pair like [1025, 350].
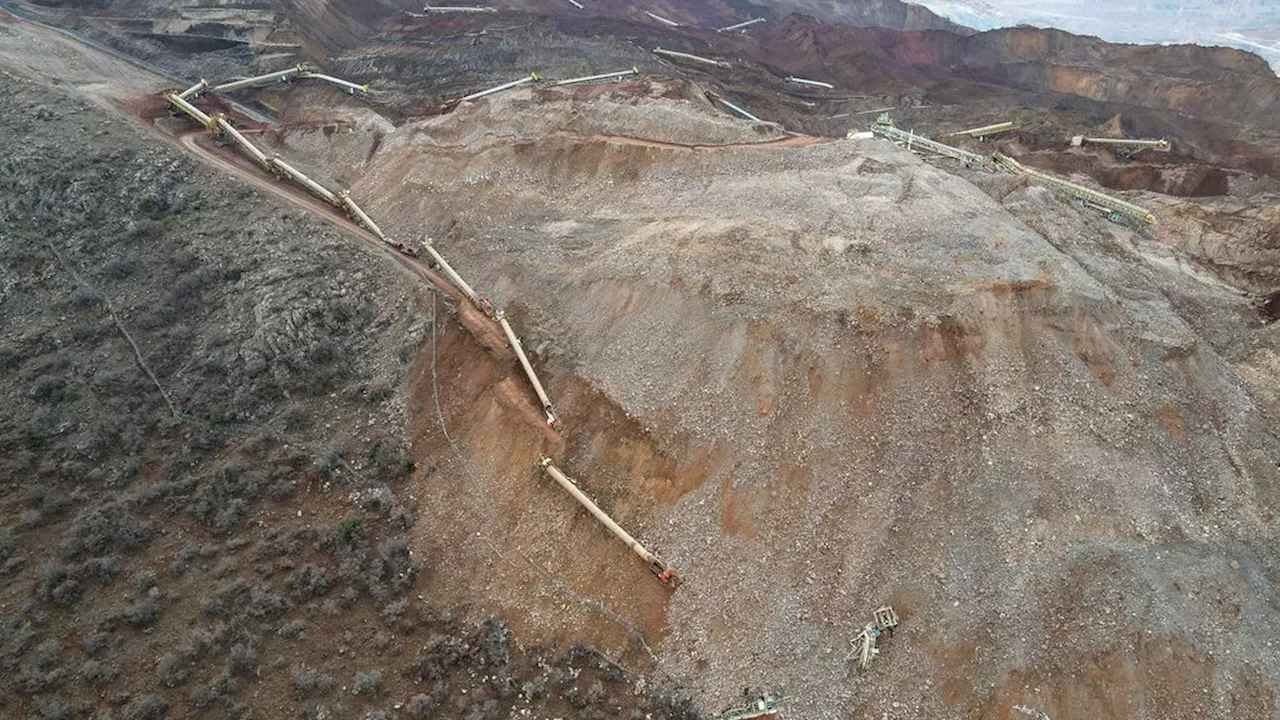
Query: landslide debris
[1048, 440]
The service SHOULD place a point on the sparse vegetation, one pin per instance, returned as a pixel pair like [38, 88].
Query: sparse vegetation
[147, 707]
[97, 672]
[309, 681]
[171, 670]
[140, 613]
[213, 543]
[351, 529]
[367, 684]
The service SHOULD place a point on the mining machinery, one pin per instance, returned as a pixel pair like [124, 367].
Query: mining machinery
[530, 78]
[664, 21]
[596, 78]
[810, 83]
[528, 370]
[457, 9]
[884, 127]
[219, 125]
[1124, 146]
[985, 131]
[742, 25]
[689, 56]
[1115, 209]
[667, 575]
[716, 97]
[764, 706]
[297, 72]
[884, 620]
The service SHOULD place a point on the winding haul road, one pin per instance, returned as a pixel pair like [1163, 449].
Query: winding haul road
[488, 332]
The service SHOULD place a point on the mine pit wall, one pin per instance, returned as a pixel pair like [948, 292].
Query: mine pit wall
[516, 543]
[846, 447]
[1138, 173]
[860, 456]
[809, 422]
[835, 440]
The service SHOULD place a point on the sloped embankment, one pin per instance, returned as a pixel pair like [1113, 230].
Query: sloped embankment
[848, 378]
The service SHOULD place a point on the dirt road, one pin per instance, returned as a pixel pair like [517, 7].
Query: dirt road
[791, 141]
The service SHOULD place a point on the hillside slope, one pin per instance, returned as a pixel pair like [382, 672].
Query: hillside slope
[1047, 440]
[816, 374]
[207, 488]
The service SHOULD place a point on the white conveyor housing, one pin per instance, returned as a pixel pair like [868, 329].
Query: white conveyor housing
[666, 574]
[528, 370]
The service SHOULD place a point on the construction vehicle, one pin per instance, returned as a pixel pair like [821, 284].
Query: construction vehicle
[764, 706]
[985, 131]
[884, 127]
[884, 620]
[1123, 146]
[1115, 209]
[528, 370]
[665, 574]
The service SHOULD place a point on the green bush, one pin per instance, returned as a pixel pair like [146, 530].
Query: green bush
[351, 529]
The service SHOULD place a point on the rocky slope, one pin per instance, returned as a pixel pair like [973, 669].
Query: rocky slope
[817, 375]
[1244, 24]
[865, 13]
[206, 486]
[1047, 440]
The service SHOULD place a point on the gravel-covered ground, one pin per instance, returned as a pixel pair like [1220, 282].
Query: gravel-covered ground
[816, 378]
[1048, 440]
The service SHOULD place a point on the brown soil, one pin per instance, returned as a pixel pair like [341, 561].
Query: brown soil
[822, 376]
[517, 544]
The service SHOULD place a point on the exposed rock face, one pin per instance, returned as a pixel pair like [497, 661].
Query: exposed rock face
[1189, 79]
[868, 13]
[837, 376]
[1194, 81]
[723, 13]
